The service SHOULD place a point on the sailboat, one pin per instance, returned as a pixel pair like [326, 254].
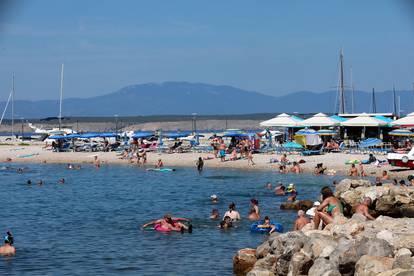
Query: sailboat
[59, 130]
[10, 98]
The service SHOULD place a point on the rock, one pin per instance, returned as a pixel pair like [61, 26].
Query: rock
[386, 235]
[407, 211]
[345, 256]
[358, 217]
[320, 245]
[397, 272]
[372, 265]
[348, 229]
[244, 261]
[374, 247]
[300, 264]
[404, 241]
[323, 267]
[343, 186]
[403, 259]
[262, 250]
[266, 263]
[297, 205]
[402, 199]
[260, 272]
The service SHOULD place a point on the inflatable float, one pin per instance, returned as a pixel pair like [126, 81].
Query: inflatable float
[161, 170]
[254, 228]
[159, 228]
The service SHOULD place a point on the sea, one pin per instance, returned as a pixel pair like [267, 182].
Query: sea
[90, 225]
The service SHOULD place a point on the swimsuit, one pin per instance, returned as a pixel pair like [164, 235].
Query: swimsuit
[331, 207]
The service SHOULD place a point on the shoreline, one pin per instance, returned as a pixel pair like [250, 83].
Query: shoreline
[332, 161]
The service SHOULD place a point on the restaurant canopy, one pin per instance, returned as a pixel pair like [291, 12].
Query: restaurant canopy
[364, 120]
[401, 132]
[142, 134]
[405, 121]
[319, 120]
[282, 120]
[338, 118]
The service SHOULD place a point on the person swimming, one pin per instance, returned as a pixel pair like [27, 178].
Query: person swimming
[214, 214]
[170, 224]
[61, 181]
[254, 213]
[267, 224]
[226, 223]
[232, 213]
[8, 249]
[280, 189]
[214, 199]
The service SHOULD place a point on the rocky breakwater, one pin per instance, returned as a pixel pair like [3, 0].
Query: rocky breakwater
[347, 246]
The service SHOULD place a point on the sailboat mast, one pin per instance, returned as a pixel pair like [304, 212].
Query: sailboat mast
[61, 97]
[12, 108]
[342, 86]
[374, 104]
[352, 94]
[394, 100]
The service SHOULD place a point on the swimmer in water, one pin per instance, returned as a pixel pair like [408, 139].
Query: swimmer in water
[267, 224]
[170, 223]
[268, 186]
[254, 213]
[232, 213]
[40, 183]
[214, 199]
[8, 249]
[280, 189]
[226, 223]
[29, 182]
[61, 181]
[214, 214]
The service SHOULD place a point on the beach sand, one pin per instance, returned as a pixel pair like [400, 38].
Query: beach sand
[37, 154]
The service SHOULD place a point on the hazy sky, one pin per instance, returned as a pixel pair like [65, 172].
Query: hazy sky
[275, 47]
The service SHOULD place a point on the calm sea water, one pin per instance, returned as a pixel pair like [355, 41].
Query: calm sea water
[90, 224]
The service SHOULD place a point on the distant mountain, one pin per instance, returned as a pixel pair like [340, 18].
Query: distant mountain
[183, 98]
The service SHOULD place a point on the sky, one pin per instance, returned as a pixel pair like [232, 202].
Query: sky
[269, 46]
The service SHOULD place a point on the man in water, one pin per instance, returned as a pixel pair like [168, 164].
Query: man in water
[200, 164]
[280, 189]
[267, 224]
[8, 249]
[170, 223]
[363, 208]
[214, 199]
[301, 221]
[353, 171]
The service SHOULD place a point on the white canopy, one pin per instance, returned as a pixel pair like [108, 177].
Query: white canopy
[282, 120]
[319, 120]
[364, 120]
[406, 121]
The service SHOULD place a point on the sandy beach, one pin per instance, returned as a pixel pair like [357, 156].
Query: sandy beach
[36, 153]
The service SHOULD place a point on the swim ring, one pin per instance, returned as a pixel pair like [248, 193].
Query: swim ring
[255, 229]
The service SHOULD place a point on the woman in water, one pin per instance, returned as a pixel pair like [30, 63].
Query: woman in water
[254, 213]
[232, 213]
[8, 249]
[333, 207]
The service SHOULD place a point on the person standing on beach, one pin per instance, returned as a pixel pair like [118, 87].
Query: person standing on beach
[97, 162]
[222, 152]
[200, 164]
[250, 158]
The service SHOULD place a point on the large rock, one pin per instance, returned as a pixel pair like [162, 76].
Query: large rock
[300, 264]
[372, 265]
[374, 247]
[323, 267]
[244, 261]
[403, 259]
[297, 205]
[260, 272]
[263, 250]
[397, 272]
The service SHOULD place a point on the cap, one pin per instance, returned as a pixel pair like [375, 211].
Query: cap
[316, 203]
[213, 196]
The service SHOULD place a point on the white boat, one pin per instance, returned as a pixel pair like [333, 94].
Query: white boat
[402, 159]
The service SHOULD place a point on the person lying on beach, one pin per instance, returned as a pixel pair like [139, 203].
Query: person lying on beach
[214, 214]
[254, 213]
[333, 208]
[267, 224]
[353, 171]
[301, 221]
[280, 189]
[232, 213]
[159, 164]
[168, 222]
[8, 249]
[363, 208]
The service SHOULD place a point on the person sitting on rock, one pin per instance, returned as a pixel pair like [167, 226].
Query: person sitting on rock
[333, 208]
[301, 221]
[363, 208]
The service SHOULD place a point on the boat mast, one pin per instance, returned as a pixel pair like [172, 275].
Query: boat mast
[352, 94]
[373, 102]
[341, 84]
[61, 97]
[12, 108]
[394, 100]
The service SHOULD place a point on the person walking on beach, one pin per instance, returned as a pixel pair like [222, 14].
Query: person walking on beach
[97, 162]
[200, 164]
[250, 158]
[8, 249]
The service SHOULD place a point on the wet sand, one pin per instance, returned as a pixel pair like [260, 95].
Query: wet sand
[334, 161]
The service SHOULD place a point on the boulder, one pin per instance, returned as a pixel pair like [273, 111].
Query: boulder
[323, 267]
[300, 264]
[262, 250]
[260, 272]
[266, 263]
[374, 247]
[320, 245]
[397, 272]
[244, 261]
[372, 265]
[297, 205]
[403, 259]
[348, 229]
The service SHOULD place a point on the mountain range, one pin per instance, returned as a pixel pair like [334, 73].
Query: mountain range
[183, 98]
